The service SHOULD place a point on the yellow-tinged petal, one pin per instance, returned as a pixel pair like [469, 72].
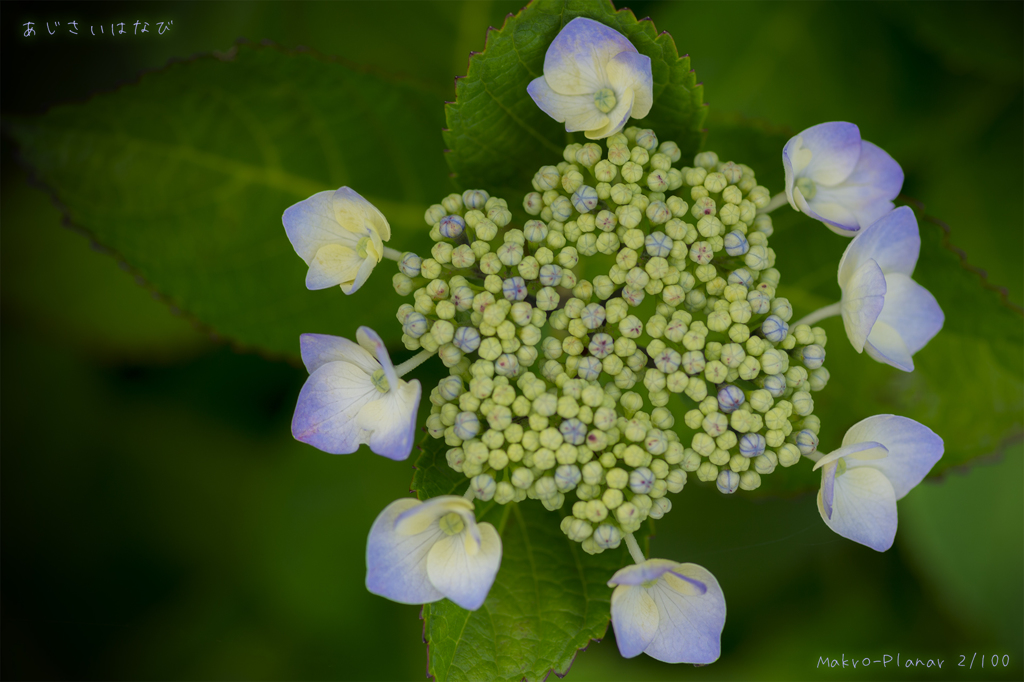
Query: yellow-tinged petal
[419, 518]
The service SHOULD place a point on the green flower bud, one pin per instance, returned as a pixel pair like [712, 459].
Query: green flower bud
[612, 498]
[607, 536]
[596, 511]
[707, 472]
[739, 463]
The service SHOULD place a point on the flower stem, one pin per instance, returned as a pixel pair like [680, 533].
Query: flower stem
[821, 314]
[413, 362]
[634, 549]
[778, 200]
[393, 254]
[469, 494]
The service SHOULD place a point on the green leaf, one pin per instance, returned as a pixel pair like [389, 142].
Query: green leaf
[185, 175]
[59, 287]
[549, 600]
[968, 382]
[497, 136]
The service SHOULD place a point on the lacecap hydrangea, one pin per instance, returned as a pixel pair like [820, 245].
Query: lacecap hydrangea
[638, 280]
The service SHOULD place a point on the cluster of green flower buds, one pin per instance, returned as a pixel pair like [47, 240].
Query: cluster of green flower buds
[624, 334]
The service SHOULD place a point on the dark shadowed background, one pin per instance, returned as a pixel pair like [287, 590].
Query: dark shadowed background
[158, 521]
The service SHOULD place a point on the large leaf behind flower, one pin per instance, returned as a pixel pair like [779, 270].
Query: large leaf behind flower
[186, 173]
[549, 600]
[497, 136]
[968, 382]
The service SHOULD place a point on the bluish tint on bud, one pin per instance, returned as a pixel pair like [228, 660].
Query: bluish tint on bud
[450, 388]
[452, 226]
[658, 245]
[415, 325]
[641, 480]
[514, 289]
[736, 243]
[774, 329]
[585, 199]
[410, 264]
[813, 356]
[550, 275]
[475, 198]
[573, 431]
[466, 425]
[466, 339]
[729, 398]
[728, 481]
[752, 445]
[806, 442]
[775, 384]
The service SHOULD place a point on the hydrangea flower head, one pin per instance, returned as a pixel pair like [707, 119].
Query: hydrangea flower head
[882, 458]
[353, 396]
[884, 311]
[670, 611]
[594, 80]
[835, 177]
[421, 552]
[340, 235]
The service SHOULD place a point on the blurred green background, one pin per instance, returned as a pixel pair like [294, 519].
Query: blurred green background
[158, 521]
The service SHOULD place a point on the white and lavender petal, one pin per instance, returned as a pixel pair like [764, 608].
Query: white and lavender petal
[319, 349]
[575, 62]
[863, 301]
[390, 420]
[396, 562]
[913, 449]
[911, 310]
[863, 508]
[893, 242]
[634, 619]
[691, 609]
[330, 400]
[358, 215]
[463, 568]
[312, 223]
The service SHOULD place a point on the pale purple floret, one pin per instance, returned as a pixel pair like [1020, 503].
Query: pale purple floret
[881, 459]
[835, 177]
[672, 612]
[345, 403]
[340, 235]
[585, 59]
[416, 555]
[885, 312]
